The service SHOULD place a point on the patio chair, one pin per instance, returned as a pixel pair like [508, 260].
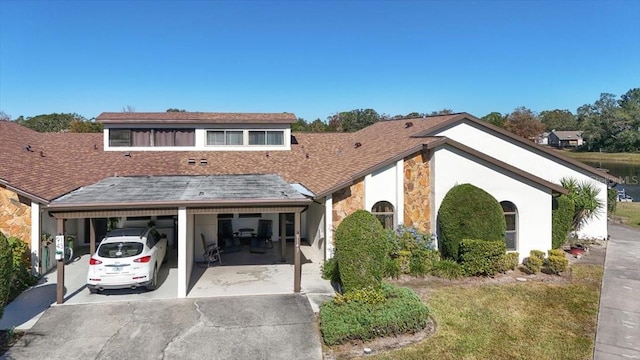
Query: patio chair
[227, 237]
[211, 251]
[262, 239]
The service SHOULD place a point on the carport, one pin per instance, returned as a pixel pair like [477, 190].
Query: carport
[184, 197]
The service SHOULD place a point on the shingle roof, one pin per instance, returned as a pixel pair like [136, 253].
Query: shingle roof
[322, 162]
[568, 134]
[195, 117]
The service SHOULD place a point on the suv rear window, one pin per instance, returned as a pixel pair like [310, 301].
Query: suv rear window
[120, 250]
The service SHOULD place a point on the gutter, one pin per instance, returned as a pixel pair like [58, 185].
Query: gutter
[171, 204]
[23, 193]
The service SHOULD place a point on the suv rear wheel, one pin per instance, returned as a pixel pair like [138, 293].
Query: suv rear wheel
[154, 283]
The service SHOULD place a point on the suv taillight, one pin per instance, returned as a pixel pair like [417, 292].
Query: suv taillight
[93, 261]
[144, 259]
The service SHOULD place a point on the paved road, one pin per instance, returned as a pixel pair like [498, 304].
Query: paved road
[618, 335]
[248, 327]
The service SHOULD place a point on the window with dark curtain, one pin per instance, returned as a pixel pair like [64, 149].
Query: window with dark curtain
[119, 137]
[164, 137]
[185, 137]
[141, 137]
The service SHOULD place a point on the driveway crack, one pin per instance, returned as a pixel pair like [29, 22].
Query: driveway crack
[201, 322]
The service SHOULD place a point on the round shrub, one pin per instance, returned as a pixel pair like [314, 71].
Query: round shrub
[562, 219]
[361, 249]
[6, 267]
[468, 212]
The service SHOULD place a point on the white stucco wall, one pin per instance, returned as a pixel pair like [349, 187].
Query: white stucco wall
[534, 162]
[385, 185]
[315, 228]
[453, 167]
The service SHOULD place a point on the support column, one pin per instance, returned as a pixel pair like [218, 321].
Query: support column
[182, 252]
[36, 248]
[297, 265]
[60, 268]
[328, 227]
[92, 237]
[283, 237]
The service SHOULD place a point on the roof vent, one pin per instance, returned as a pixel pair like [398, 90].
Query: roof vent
[203, 161]
[95, 146]
[191, 161]
[41, 153]
[266, 154]
[127, 154]
[357, 145]
[408, 124]
[306, 155]
[28, 148]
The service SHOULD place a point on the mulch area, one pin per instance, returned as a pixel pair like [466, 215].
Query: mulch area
[8, 338]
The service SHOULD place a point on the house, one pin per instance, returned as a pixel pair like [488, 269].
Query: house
[187, 170]
[562, 139]
[542, 138]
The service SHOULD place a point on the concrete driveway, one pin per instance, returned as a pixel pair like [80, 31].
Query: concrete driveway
[618, 334]
[248, 327]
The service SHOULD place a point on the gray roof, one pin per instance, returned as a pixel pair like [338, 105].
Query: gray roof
[568, 134]
[263, 188]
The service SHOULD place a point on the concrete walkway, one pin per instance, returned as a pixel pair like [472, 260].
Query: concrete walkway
[618, 334]
[247, 327]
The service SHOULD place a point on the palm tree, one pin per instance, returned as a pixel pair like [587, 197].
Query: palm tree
[585, 198]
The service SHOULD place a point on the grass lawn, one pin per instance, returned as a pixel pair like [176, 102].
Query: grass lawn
[531, 320]
[598, 156]
[629, 212]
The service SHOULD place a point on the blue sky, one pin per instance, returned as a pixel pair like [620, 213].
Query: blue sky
[314, 58]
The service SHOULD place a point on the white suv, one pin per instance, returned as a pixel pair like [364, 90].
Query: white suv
[127, 258]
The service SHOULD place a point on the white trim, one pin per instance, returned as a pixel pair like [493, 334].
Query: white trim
[328, 224]
[35, 238]
[399, 192]
[182, 253]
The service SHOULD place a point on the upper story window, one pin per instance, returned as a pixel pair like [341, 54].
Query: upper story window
[266, 137]
[225, 137]
[151, 137]
[245, 137]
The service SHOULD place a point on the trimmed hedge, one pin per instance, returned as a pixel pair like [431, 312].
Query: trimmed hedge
[480, 257]
[330, 270]
[468, 212]
[557, 264]
[447, 269]
[361, 249]
[402, 312]
[534, 261]
[5, 271]
[562, 220]
[509, 261]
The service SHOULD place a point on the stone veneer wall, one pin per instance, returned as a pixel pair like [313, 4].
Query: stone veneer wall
[347, 201]
[417, 192]
[15, 215]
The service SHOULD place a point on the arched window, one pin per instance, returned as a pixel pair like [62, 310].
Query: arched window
[511, 218]
[383, 210]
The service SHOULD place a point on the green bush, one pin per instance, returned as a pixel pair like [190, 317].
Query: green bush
[330, 270]
[468, 212]
[538, 254]
[480, 257]
[562, 220]
[448, 269]
[509, 261]
[5, 271]
[534, 262]
[369, 296]
[557, 264]
[404, 261]
[402, 312]
[612, 200]
[361, 249]
[21, 277]
[556, 252]
[391, 268]
[427, 259]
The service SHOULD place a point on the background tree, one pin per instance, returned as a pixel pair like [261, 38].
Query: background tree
[317, 126]
[4, 116]
[174, 110]
[354, 120]
[444, 111]
[128, 109]
[558, 120]
[50, 122]
[88, 126]
[300, 126]
[495, 118]
[524, 122]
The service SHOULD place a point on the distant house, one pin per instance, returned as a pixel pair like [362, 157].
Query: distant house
[563, 139]
[542, 138]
